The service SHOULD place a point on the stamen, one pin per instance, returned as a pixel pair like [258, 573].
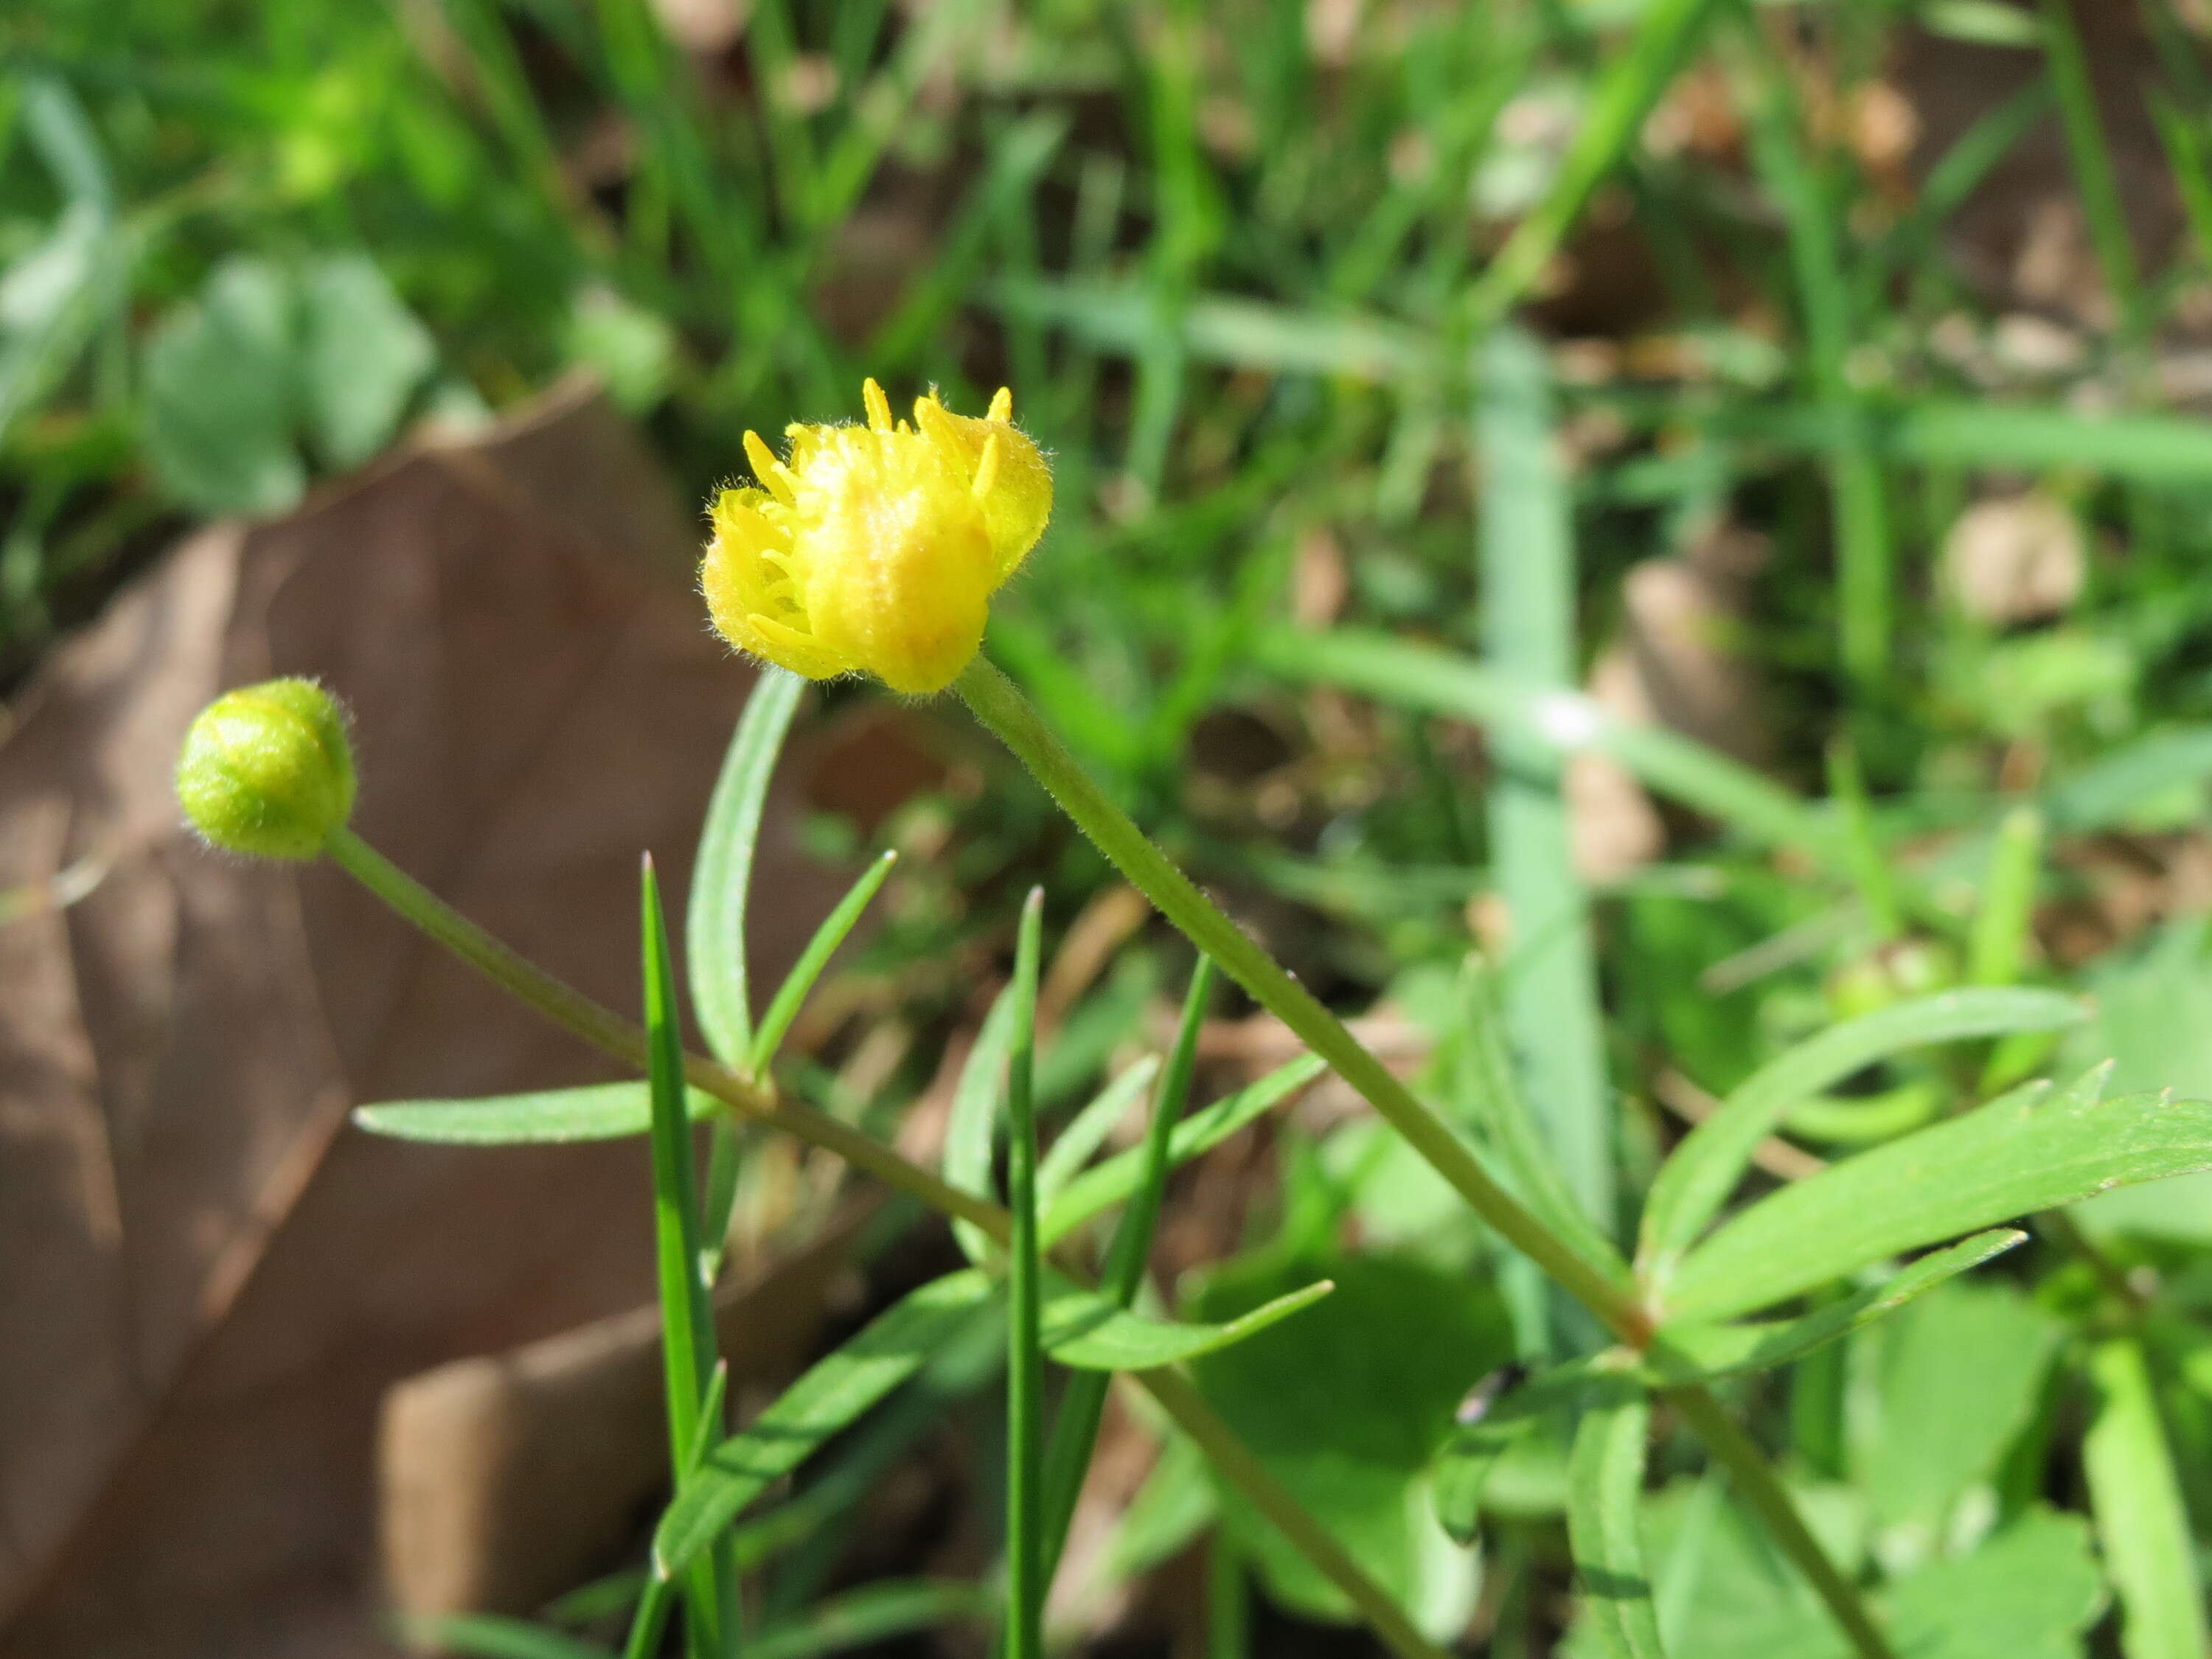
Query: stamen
[879, 407]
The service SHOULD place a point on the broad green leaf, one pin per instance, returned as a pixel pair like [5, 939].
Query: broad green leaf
[1549, 1000]
[2032, 1150]
[2027, 1592]
[1107, 1185]
[791, 995]
[1605, 1525]
[1697, 1180]
[1083, 1329]
[830, 1394]
[1959, 1373]
[1089, 1128]
[2142, 1521]
[1686, 1351]
[221, 388]
[364, 355]
[714, 920]
[597, 1111]
[971, 1129]
[1348, 1405]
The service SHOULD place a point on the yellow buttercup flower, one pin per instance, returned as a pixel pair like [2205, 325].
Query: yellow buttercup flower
[876, 549]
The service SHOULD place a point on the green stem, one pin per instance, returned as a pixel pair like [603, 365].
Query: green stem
[605, 1030]
[1024, 1327]
[613, 1035]
[1762, 1488]
[1000, 705]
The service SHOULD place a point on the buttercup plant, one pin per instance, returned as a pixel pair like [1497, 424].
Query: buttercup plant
[875, 550]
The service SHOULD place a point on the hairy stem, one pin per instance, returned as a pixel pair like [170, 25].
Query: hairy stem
[625, 1040]
[998, 703]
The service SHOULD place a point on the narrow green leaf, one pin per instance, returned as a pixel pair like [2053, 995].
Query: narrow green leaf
[1085, 1330]
[687, 1321]
[1567, 721]
[2103, 793]
[1092, 1126]
[1107, 1185]
[791, 995]
[971, 1129]
[1083, 1403]
[597, 1111]
[2032, 1150]
[1999, 942]
[721, 1201]
[1697, 1180]
[1695, 1350]
[494, 1636]
[1498, 1104]
[2142, 1522]
[715, 923]
[1026, 1335]
[874, 1614]
[1526, 544]
[831, 1393]
[1605, 1525]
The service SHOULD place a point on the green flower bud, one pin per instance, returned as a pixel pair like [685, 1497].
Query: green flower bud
[266, 770]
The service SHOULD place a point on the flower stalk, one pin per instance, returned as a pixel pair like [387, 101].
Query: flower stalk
[1000, 705]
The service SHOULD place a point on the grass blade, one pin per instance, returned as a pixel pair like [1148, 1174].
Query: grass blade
[1082, 1405]
[1697, 1180]
[2140, 1520]
[872, 1614]
[1528, 578]
[687, 1322]
[791, 995]
[493, 1636]
[832, 1393]
[2092, 158]
[597, 1111]
[2033, 1149]
[1419, 677]
[1630, 88]
[1025, 1635]
[1605, 1530]
[715, 922]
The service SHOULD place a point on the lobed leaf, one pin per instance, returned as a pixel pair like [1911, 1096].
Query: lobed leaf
[1697, 1180]
[2032, 1150]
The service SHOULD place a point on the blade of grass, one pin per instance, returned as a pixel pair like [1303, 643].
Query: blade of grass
[2142, 1522]
[971, 1130]
[1083, 1404]
[2094, 173]
[791, 995]
[721, 879]
[872, 1614]
[1870, 870]
[687, 1322]
[1861, 514]
[1088, 1130]
[1526, 544]
[1626, 94]
[1025, 1629]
